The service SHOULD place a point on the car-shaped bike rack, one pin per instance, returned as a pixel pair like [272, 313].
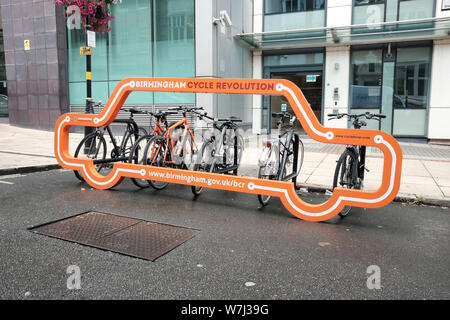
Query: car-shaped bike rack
[284, 190]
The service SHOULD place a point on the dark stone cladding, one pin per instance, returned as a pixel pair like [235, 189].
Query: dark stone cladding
[37, 79]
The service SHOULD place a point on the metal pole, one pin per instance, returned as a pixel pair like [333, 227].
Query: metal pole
[89, 107]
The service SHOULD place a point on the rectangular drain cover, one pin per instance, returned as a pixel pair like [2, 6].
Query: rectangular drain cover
[133, 237]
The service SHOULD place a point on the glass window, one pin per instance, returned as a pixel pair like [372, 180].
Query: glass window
[140, 44]
[293, 59]
[360, 2]
[412, 78]
[130, 40]
[415, 9]
[174, 47]
[366, 70]
[375, 11]
[283, 6]
[77, 62]
[368, 12]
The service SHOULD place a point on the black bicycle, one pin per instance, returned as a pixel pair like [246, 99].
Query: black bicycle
[278, 160]
[220, 153]
[94, 145]
[351, 165]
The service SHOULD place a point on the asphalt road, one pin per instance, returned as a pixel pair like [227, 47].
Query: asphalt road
[285, 258]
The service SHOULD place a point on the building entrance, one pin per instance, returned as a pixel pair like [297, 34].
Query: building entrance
[309, 82]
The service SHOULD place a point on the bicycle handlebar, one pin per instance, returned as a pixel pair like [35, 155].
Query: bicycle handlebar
[367, 115]
[205, 115]
[282, 115]
[230, 120]
[187, 109]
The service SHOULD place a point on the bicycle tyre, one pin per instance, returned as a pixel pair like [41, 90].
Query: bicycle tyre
[158, 159]
[264, 200]
[136, 151]
[196, 190]
[91, 137]
[301, 152]
[240, 148]
[345, 166]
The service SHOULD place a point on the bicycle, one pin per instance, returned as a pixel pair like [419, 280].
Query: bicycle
[350, 167]
[278, 160]
[159, 128]
[222, 154]
[169, 149]
[94, 146]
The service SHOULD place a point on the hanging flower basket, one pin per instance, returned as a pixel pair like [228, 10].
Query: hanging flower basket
[94, 15]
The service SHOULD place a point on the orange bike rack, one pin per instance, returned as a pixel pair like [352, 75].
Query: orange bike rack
[284, 190]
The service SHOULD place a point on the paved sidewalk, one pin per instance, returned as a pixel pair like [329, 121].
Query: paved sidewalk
[425, 173]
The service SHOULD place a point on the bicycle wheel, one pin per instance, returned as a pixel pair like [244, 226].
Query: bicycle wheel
[262, 174]
[129, 140]
[189, 152]
[203, 163]
[137, 157]
[240, 149]
[343, 175]
[142, 132]
[93, 146]
[154, 153]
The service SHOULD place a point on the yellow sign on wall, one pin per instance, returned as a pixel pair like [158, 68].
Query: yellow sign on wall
[85, 51]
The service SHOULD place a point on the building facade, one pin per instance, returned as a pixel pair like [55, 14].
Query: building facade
[148, 38]
[382, 56]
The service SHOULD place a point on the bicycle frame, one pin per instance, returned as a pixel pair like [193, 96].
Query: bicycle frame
[170, 143]
[282, 157]
[359, 168]
[132, 128]
[289, 135]
[158, 129]
[340, 198]
[218, 146]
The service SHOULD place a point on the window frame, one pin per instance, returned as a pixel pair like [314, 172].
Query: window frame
[428, 84]
[325, 6]
[351, 76]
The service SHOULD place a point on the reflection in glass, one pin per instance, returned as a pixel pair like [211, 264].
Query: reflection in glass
[412, 78]
[140, 44]
[283, 6]
[365, 88]
[174, 45]
[130, 47]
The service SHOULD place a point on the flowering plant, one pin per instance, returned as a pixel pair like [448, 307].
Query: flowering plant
[93, 15]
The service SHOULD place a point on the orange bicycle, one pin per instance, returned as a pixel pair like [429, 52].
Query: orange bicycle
[176, 148]
[136, 154]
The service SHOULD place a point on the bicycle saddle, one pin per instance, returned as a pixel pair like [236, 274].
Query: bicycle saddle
[136, 110]
[231, 119]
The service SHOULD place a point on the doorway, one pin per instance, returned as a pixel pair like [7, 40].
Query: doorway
[310, 82]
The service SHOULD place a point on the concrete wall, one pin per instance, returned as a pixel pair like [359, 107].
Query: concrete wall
[36, 78]
[439, 113]
[219, 55]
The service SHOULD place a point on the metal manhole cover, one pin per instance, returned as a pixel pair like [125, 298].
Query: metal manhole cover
[133, 237]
